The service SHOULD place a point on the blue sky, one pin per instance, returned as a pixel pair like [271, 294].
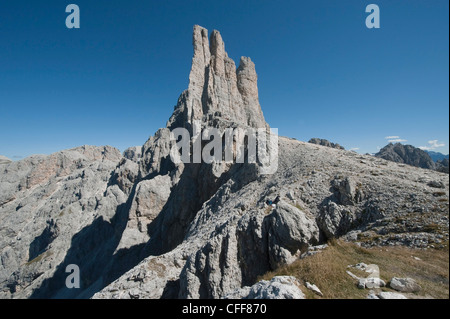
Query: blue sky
[321, 72]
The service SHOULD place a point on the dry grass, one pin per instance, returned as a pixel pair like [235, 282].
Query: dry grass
[328, 269]
[39, 257]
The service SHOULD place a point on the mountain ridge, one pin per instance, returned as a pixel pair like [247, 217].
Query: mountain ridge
[437, 156]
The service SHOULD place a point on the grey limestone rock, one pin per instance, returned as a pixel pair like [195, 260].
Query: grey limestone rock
[390, 295]
[4, 160]
[404, 284]
[314, 288]
[133, 153]
[279, 287]
[51, 199]
[324, 142]
[289, 230]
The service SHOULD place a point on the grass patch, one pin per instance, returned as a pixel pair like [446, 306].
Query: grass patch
[431, 228]
[39, 258]
[328, 269]
[268, 210]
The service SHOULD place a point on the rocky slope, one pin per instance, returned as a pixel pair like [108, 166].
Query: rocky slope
[141, 226]
[55, 208]
[325, 192]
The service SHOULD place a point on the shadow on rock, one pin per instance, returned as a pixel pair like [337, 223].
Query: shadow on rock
[93, 251]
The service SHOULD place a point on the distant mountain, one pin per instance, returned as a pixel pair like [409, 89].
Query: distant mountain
[436, 156]
[324, 142]
[406, 154]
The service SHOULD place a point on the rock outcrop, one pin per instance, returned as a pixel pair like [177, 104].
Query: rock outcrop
[372, 281]
[279, 287]
[4, 160]
[133, 153]
[324, 142]
[219, 95]
[140, 225]
[56, 210]
[386, 295]
[289, 230]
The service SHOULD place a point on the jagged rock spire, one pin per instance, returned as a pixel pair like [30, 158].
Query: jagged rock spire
[217, 92]
[218, 95]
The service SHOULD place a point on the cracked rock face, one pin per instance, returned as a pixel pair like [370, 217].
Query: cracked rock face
[289, 230]
[141, 226]
[218, 92]
[47, 200]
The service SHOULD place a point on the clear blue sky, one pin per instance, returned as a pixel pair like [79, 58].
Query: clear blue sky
[322, 73]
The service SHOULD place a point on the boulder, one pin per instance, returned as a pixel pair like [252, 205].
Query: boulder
[385, 295]
[404, 284]
[314, 289]
[279, 287]
[371, 283]
[334, 220]
[390, 295]
[289, 230]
